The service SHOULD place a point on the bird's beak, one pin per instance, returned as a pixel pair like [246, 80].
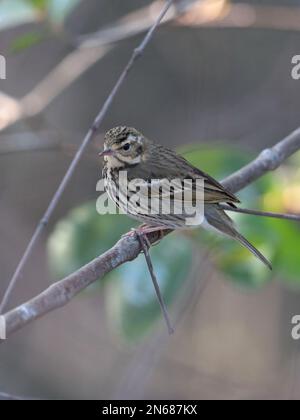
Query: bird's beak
[106, 152]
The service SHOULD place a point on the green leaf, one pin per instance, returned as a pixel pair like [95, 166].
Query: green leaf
[16, 12]
[38, 4]
[58, 10]
[26, 41]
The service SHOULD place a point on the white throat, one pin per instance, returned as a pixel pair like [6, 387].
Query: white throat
[116, 163]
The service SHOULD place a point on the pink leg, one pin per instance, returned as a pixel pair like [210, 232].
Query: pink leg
[141, 234]
[143, 230]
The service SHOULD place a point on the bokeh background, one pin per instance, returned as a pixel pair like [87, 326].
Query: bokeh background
[215, 83]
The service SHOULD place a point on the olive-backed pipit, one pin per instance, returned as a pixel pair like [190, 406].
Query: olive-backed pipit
[126, 149]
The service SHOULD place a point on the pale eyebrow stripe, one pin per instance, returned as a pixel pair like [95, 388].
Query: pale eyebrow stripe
[127, 140]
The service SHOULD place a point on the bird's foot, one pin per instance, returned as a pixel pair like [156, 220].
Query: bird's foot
[142, 232]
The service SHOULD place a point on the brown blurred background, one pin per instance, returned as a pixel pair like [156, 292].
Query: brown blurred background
[200, 81]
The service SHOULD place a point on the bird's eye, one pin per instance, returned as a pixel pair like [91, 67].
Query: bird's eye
[126, 147]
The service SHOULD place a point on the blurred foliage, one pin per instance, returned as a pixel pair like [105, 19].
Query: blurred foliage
[284, 196]
[38, 4]
[26, 41]
[18, 12]
[58, 10]
[131, 300]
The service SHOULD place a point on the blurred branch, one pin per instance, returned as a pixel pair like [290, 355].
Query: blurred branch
[129, 247]
[135, 23]
[93, 47]
[10, 110]
[224, 14]
[212, 13]
[58, 80]
[89, 49]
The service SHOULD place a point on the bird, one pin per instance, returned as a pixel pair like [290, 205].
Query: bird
[148, 165]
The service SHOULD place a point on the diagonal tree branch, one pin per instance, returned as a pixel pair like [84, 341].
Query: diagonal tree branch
[129, 247]
[86, 141]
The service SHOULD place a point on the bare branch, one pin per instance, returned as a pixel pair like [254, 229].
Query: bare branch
[268, 160]
[86, 141]
[129, 247]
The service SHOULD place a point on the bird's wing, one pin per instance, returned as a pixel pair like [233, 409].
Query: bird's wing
[194, 188]
[214, 191]
[174, 167]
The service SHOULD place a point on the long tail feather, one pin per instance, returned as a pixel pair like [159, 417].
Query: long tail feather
[220, 221]
[242, 240]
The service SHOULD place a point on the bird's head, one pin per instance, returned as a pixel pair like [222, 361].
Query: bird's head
[124, 147]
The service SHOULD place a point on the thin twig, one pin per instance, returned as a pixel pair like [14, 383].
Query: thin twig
[145, 244]
[128, 248]
[88, 138]
[284, 216]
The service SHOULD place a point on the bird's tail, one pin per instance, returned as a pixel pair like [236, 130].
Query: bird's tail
[242, 240]
[220, 221]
